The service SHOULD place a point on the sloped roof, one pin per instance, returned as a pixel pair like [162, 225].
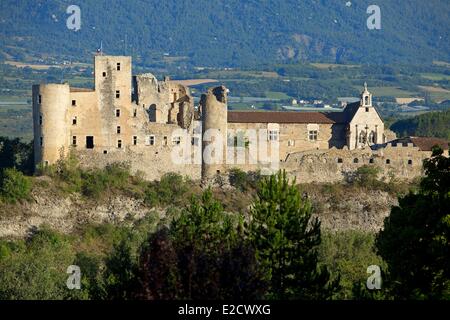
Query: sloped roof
[283, 117]
[424, 143]
[427, 144]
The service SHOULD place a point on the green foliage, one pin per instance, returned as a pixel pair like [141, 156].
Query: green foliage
[170, 190]
[432, 124]
[16, 154]
[208, 241]
[243, 39]
[416, 237]
[97, 181]
[242, 180]
[201, 256]
[14, 186]
[92, 182]
[349, 253]
[286, 240]
[367, 175]
[36, 269]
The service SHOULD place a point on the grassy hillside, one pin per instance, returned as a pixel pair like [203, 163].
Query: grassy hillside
[211, 32]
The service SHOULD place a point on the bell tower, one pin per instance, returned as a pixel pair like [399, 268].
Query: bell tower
[366, 97]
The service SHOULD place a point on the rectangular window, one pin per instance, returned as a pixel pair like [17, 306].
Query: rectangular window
[151, 140]
[134, 140]
[40, 99]
[74, 121]
[119, 144]
[134, 113]
[89, 142]
[312, 135]
[74, 102]
[118, 129]
[104, 74]
[74, 140]
[41, 141]
[176, 140]
[367, 109]
[117, 94]
[118, 66]
[165, 141]
[117, 113]
[273, 135]
[40, 120]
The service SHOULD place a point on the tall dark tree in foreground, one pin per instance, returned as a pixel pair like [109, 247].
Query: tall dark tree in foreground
[159, 272]
[286, 240]
[203, 255]
[415, 241]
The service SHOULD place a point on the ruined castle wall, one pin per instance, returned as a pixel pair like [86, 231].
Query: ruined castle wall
[154, 155]
[334, 165]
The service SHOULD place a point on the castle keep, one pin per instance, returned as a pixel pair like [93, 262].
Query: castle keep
[146, 123]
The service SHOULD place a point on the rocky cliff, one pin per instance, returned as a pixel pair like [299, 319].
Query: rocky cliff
[337, 208]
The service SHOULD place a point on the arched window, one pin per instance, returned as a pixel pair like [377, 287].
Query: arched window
[366, 100]
[362, 137]
[372, 137]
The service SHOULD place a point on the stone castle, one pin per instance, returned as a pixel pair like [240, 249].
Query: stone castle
[149, 124]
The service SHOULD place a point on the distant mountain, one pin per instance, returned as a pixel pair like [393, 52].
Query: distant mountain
[230, 33]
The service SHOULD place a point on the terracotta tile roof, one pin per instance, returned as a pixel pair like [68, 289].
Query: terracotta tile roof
[423, 143]
[427, 144]
[283, 117]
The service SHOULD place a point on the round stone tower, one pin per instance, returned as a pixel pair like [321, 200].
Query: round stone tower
[50, 105]
[214, 112]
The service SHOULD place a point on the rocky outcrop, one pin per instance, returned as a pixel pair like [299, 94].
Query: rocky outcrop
[357, 209]
[66, 213]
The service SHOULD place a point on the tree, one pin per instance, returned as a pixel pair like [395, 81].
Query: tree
[415, 241]
[14, 185]
[36, 269]
[203, 255]
[159, 274]
[207, 240]
[286, 241]
[16, 154]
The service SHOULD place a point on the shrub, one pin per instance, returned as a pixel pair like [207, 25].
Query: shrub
[14, 185]
[367, 175]
[238, 179]
[113, 176]
[243, 181]
[171, 189]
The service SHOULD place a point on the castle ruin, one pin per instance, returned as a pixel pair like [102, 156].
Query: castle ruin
[150, 125]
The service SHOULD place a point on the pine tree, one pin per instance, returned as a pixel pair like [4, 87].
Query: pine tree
[286, 239]
[415, 240]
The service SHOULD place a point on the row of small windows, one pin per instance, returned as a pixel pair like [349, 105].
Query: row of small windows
[371, 161]
[118, 113]
[150, 141]
[313, 135]
[74, 119]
